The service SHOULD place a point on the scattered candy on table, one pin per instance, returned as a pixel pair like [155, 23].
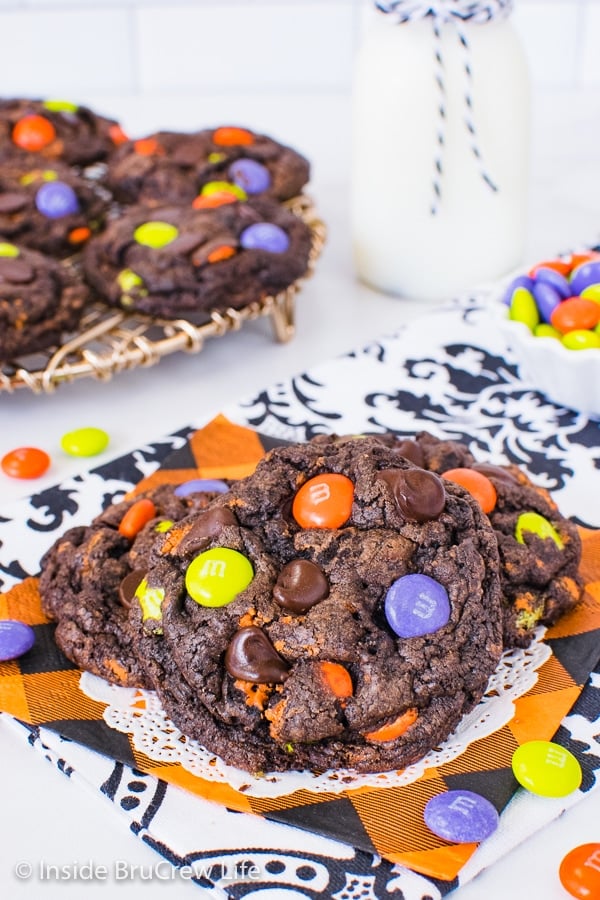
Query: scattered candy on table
[546, 768]
[25, 462]
[579, 872]
[560, 299]
[16, 638]
[463, 817]
[84, 442]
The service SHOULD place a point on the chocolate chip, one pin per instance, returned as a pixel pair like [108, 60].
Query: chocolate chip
[498, 473]
[420, 495]
[207, 527]
[411, 451]
[252, 657]
[13, 202]
[15, 271]
[300, 585]
[129, 586]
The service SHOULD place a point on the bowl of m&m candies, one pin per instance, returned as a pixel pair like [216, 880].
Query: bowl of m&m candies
[551, 320]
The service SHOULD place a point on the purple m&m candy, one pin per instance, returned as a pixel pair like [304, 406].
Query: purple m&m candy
[250, 175]
[583, 276]
[461, 816]
[523, 281]
[558, 281]
[56, 199]
[201, 485]
[265, 236]
[547, 299]
[16, 638]
[416, 605]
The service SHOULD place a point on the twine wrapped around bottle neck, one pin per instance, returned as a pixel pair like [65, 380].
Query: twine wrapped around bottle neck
[478, 11]
[456, 12]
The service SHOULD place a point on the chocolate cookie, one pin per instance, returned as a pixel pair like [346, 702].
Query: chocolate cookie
[46, 206]
[205, 168]
[57, 129]
[338, 608]
[177, 261]
[540, 549]
[89, 577]
[40, 300]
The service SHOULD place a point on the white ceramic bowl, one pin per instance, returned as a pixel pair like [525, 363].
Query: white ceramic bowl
[568, 378]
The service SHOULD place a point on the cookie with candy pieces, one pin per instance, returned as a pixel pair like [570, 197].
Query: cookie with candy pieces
[540, 549]
[338, 608]
[58, 130]
[46, 206]
[40, 300]
[181, 262]
[205, 168]
[89, 577]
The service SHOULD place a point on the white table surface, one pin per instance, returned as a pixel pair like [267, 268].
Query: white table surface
[44, 815]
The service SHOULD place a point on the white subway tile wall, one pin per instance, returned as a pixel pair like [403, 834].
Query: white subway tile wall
[141, 46]
[274, 65]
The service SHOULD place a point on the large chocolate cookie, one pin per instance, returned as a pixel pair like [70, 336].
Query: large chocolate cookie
[205, 168]
[89, 577]
[338, 608]
[177, 261]
[40, 300]
[46, 206]
[540, 549]
[57, 129]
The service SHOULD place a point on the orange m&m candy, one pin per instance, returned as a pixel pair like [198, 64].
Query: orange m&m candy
[479, 486]
[394, 729]
[233, 137]
[25, 462]
[324, 501]
[579, 872]
[136, 517]
[337, 679]
[33, 133]
[117, 135]
[575, 313]
[559, 265]
[148, 147]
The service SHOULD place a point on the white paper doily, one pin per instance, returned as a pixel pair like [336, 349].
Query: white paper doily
[139, 714]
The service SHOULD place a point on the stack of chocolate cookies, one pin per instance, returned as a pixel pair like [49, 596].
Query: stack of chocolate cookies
[174, 224]
[343, 606]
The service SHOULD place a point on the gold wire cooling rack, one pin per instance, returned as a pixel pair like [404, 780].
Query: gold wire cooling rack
[111, 341]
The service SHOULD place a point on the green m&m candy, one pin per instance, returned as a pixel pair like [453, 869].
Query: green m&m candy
[60, 106]
[84, 442]
[546, 768]
[217, 576]
[523, 308]
[536, 524]
[150, 600]
[155, 234]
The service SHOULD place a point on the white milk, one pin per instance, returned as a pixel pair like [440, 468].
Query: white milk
[477, 234]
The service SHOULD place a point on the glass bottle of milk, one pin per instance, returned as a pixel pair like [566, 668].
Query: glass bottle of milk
[441, 125]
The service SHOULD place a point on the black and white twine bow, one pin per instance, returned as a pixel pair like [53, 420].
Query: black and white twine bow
[441, 13]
